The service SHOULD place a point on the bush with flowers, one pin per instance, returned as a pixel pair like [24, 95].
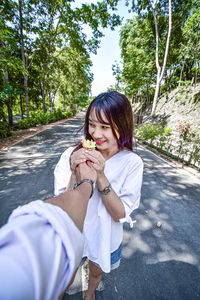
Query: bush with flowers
[181, 143]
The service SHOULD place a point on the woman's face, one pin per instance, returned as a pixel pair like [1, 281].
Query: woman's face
[102, 133]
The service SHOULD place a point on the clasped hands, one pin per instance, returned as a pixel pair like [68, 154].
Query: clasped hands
[92, 158]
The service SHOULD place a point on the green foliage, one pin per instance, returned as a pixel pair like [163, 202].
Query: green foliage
[41, 118]
[26, 123]
[184, 147]
[4, 130]
[149, 131]
[137, 51]
[57, 51]
[138, 47]
[185, 83]
[167, 130]
[191, 45]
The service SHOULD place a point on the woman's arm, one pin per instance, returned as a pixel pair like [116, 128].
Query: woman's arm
[111, 201]
[119, 206]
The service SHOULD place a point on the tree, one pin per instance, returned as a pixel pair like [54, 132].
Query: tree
[35, 35]
[118, 75]
[76, 67]
[60, 27]
[137, 52]
[160, 70]
[190, 47]
[21, 26]
[9, 56]
[180, 10]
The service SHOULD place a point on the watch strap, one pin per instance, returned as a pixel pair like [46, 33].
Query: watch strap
[82, 181]
[106, 190]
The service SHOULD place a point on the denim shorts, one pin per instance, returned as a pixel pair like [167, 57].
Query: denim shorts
[115, 258]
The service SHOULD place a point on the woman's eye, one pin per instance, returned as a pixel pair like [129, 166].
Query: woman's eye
[105, 127]
[91, 125]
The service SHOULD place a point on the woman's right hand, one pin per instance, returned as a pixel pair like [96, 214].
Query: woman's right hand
[77, 158]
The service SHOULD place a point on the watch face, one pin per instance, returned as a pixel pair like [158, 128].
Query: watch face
[106, 190]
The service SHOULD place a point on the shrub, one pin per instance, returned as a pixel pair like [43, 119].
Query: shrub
[4, 130]
[52, 117]
[184, 130]
[27, 123]
[41, 118]
[149, 131]
[167, 130]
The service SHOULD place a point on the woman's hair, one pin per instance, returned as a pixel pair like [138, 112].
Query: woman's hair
[118, 112]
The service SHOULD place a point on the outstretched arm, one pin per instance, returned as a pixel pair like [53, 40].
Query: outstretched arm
[74, 203]
[43, 238]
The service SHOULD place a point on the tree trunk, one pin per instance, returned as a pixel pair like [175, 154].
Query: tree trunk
[196, 72]
[23, 58]
[9, 101]
[51, 102]
[181, 74]
[21, 107]
[156, 94]
[160, 71]
[42, 86]
[10, 114]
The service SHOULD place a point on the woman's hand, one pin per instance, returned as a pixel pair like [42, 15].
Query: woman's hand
[96, 160]
[77, 158]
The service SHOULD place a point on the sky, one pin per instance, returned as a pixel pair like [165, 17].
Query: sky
[107, 54]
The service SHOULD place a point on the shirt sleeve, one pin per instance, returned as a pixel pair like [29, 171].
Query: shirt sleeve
[40, 249]
[130, 192]
[62, 172]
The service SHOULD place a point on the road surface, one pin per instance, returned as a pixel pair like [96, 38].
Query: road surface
[157, 262]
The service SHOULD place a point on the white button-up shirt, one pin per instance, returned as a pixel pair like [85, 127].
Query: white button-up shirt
[102, 235]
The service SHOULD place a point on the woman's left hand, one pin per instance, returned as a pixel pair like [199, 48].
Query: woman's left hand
[96, 160]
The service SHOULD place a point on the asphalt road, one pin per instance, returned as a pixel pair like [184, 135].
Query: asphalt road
[157, 263]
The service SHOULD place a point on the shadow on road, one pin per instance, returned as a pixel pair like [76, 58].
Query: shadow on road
[157, 263]
[26, 169]
[163, 263]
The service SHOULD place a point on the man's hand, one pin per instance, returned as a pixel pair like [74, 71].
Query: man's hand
[85, 171]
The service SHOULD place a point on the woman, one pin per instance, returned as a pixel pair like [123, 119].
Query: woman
[109, 122]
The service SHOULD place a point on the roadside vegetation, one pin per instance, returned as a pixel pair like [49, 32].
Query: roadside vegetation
[45, 58]
[180, 143]
[160, 73]
[45, 66]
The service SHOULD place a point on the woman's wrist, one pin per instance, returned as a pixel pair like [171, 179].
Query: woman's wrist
[102, 182]
[106, 190]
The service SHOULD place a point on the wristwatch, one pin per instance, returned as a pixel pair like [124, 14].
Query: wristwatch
[106, 190]
[82, 181]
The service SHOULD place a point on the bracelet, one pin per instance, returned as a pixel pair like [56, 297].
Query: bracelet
[82, 181]
[106, 190]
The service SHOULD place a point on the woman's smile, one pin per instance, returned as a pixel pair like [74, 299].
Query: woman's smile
[99, 142]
